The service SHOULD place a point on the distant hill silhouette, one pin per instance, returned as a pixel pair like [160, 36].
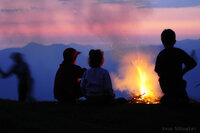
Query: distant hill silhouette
[44, 61]
[188, 44]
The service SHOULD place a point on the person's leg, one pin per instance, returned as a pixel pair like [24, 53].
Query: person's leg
[29, 94]
[168, 88]
[175, 92]
[95, 100]
[77, 91]
[22, 92]
[182, 94]
[66, 101]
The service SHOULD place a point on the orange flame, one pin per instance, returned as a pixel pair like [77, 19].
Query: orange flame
[138, 78]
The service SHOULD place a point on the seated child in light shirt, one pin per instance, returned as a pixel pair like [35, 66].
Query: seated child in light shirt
[96, 82]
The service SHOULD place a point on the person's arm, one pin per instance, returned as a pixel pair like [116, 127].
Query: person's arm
[108, 85]
[189, 63]
[158, 65]
[83, 84]
[5, 75]
[1, 73]
[80, 71]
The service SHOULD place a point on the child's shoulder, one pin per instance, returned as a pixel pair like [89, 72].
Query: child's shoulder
[178, 49]
[76, 67]
[100, 69]
[173, 50]
[103, 69]
[178, 52]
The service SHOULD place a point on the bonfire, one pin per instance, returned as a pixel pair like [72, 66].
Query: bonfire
[137, 77]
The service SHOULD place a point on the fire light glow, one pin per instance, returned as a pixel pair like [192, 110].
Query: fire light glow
[137, 77]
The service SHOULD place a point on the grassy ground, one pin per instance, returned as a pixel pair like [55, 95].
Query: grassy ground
[50, 117]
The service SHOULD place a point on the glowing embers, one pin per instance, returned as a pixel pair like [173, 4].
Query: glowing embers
[140, 99]
[137, 77]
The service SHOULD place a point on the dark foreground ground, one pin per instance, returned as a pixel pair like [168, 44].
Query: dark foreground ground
[50, 117]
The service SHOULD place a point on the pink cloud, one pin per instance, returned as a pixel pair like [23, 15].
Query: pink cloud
[51, 22]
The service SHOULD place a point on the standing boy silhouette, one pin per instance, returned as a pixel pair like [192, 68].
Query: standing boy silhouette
[169, 67]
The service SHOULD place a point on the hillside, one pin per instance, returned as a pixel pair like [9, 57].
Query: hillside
[44, 62]
[50, 117]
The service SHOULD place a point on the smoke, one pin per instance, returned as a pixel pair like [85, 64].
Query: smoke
[111, 21]
[136, 75]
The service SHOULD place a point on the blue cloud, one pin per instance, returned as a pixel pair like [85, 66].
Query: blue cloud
[115, 1]
[64, 0]
[156, 3]
[151, 3]
[11, 10]
[173, 3]
[36, 8]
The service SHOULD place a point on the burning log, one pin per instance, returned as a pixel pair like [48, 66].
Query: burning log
[142, 99]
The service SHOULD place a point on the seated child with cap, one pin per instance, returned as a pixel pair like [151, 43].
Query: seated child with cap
[67, 79]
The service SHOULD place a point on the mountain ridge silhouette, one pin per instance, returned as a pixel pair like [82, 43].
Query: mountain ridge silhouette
[44, 61]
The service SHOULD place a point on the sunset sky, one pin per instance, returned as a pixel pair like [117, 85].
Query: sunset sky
[96, 22]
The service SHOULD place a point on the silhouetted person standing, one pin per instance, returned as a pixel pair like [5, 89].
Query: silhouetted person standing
[169, 66]
[96, 82]
[25, 81]
[67, 79]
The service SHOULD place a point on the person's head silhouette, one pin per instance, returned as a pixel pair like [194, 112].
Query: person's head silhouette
[70, 55]
[17, 57]
[96, 58]
[168, 38]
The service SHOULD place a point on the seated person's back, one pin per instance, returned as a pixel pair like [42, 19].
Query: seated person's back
[96, 83]
[97, 80]
[67, 79]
